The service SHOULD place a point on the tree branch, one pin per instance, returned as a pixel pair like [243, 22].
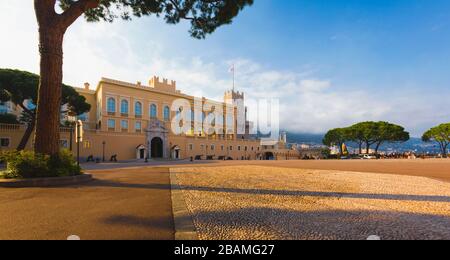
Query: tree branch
[26, 110]
[76, 10]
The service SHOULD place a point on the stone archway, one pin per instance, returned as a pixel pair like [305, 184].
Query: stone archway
[269, 156]
[157, 147]
[157, 141]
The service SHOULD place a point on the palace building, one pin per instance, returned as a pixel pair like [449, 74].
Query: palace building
[133, 121]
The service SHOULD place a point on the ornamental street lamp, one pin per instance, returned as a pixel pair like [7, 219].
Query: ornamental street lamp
[104, 150]
[79, 135]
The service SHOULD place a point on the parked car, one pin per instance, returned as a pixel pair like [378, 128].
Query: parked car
[369, 157]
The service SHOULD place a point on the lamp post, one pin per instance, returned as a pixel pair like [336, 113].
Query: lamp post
[104, 149]
[71, 139]
[79, 135]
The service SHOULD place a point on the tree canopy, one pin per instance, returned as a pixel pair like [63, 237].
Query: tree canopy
[367, 134]
[336, 137]
[205, 16]
[21, 88]
[439, 134]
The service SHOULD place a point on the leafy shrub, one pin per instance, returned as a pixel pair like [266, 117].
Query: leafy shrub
[64, 164]
[27, 164]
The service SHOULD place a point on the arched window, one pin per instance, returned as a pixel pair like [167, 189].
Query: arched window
[166, 113]
[111, 105]
[153, 111]
[138, 109]
[124, 107]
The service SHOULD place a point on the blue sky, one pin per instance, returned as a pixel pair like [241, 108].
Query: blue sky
[330, 62]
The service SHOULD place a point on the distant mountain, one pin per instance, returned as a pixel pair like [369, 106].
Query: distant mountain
[305, 138]
[414, 144]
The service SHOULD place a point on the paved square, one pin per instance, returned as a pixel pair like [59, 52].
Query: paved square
[255, 202]
[119, 204]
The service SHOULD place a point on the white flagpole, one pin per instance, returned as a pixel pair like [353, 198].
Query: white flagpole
[233, 70]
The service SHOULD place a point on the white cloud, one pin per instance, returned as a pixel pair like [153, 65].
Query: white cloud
[308, 102]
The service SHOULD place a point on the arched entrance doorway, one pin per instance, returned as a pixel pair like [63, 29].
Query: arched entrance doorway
[157, 148]
[141, 152]
[176, 152]
[269, 156]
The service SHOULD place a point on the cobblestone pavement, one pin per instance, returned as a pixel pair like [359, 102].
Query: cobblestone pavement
[248, 202]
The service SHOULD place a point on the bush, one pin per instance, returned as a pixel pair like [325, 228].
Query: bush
[64, 164]
[27, 164]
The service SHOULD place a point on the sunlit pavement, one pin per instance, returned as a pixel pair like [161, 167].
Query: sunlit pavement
[119, 204]
[135, 203]
[243, 202]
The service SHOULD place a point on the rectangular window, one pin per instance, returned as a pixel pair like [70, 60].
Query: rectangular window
[231, 148]
[111, 124]
[191, 147]
[124, 124]
[222, 148]
[5, 142]
[202, 147]
[239, 148]
[246, 148]
[213, 147]
[138, 126]
[3, 108]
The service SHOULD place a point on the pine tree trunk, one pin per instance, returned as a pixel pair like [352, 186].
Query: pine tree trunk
[377, 148]
[50, 88]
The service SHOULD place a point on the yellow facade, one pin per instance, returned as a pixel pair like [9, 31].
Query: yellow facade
[128, 120]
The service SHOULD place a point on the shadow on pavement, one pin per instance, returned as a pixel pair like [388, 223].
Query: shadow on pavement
[252, 223]
[399, 197]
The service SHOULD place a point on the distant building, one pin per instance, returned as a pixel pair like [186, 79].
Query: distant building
[8, 108]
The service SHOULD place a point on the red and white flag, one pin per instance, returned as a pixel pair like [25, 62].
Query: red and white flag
[232, 69]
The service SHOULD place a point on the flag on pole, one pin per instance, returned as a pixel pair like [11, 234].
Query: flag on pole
[232, 70]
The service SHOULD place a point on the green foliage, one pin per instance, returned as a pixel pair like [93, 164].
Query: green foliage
[336, 137]
[439, 134]
[63, 164]
[19, 86]
[8, 119]
[326, 152]
[205, 16]
[28, 164]
[367, 133]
